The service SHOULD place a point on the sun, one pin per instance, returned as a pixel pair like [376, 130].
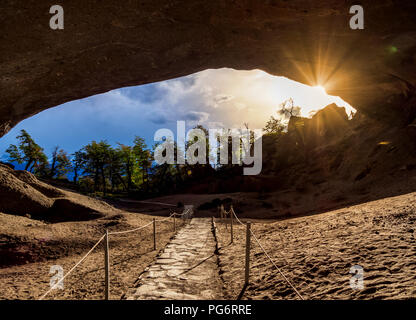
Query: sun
[320, 89]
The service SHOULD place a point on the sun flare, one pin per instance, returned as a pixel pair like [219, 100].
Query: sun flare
[320, 89]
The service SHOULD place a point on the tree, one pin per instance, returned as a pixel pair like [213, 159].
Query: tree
[113, 168]
[274, 126]
[165, 174]
[54, 159]
[127, 159]
[63, 163]
[121, 167]
[288, 109]
[204, 135]
[14, 154]
[146, 163]
[60, 164]
[96, 159]
[41, 167]
[78, 162]
[28, 152]
[143, 159]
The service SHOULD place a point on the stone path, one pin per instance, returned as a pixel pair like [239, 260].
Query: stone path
[186, 269]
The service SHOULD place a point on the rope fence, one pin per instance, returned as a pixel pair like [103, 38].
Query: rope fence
[225, 216]
[249, 233]
[72, 269]
[186, 214]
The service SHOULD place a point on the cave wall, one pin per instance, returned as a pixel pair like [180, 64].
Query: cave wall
[111, 44]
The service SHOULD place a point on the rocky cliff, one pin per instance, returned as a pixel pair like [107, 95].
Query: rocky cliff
[105, 45]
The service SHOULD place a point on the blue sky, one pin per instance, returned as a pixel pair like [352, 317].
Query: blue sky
[214, 98]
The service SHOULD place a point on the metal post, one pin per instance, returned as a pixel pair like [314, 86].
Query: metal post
[248, 235]
[107, 266]
[231, 223]
[154, 233]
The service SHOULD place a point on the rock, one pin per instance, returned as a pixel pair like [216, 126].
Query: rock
[187, 273]
[103, 47]
[23, 194]
[328, 123]
[20, 198]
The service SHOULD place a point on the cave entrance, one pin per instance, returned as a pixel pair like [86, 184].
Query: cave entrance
[212, 98]
[129, 117]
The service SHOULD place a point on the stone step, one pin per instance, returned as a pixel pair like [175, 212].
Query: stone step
[186, 269]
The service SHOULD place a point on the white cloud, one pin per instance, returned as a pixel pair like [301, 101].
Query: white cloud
[222, 98]
[240, 106]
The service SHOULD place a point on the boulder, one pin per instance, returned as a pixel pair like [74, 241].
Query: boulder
[327, 124]
[21, 193]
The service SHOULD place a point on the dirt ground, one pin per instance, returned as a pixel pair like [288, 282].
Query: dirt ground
[316, 253]
[65, 243]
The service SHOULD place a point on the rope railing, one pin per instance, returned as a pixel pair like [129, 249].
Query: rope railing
[73, 268]
[231, 213]
[278, 269]
[142, 227]
[131, 230]
[185, 214]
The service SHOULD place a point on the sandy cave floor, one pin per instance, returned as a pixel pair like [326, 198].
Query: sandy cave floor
[317, 252]
[130, 254]
[314, 252]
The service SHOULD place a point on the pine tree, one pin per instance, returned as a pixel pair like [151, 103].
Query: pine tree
[28, 151]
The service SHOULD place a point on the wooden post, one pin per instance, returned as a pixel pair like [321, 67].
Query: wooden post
[212, 220]
[231, 223]
[107, 266]
[226, 220]
[154, 233]
[248, 235]
[174, 224]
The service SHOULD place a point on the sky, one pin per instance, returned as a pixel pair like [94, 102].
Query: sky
[214, 98]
